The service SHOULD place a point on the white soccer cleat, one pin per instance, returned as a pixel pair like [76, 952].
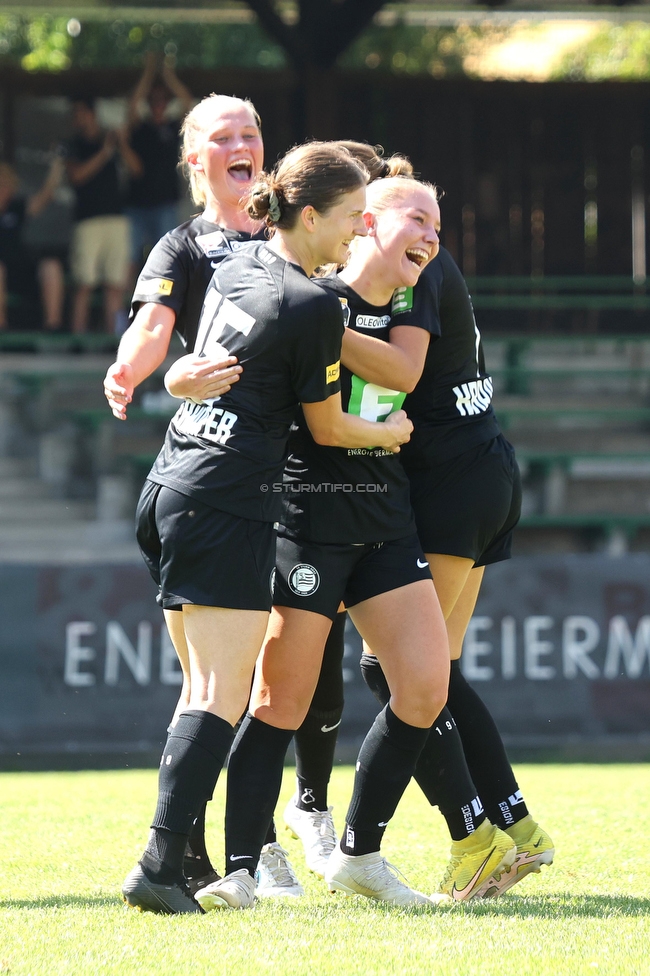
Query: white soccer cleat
[236, 890]
[316, 831]
[370, 875]
[275, 877]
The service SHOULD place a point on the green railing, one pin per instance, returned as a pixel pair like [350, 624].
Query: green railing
[556, 292]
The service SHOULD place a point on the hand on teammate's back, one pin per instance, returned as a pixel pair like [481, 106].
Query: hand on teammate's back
[191, 376]
[118, 388]
[401, 427]
[199, 378]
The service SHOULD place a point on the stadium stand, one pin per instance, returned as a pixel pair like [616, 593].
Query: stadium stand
[576, 408]
[67, 482]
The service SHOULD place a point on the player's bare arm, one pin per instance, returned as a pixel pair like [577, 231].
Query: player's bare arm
[396, 364]
[331, 427]
[141, 351]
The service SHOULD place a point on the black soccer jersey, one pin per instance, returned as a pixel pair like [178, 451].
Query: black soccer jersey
[351, 495]
[451, 406]
[286, 332]
[178, 272]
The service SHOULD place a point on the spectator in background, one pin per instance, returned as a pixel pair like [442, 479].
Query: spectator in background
[16, 266]
[100, 241]
[153, 156]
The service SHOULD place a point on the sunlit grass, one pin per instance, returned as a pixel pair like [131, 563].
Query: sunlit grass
[70, 838]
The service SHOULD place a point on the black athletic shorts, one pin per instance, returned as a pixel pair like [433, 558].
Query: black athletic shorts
[198, 554]
[311, 576]
[468, 505]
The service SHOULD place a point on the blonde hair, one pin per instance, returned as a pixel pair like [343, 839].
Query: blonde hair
[194, 127]
[385, 193]
[316, 174]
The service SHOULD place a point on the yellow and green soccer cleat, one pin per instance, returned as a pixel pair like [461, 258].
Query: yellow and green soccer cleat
[534, 848]
[475, 860]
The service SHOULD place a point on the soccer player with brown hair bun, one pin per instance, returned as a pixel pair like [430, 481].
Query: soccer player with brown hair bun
[346, 534]
[205, 519]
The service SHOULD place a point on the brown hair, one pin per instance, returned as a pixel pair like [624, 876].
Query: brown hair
[194, 127]
[316, 174]
[372, 158]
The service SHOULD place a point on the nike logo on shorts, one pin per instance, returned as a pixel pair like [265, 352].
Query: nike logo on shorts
[421, 565]
[239, 857]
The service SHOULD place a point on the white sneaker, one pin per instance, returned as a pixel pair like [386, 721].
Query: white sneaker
[370, 875]
[275, 877]
[316, 831]
[236, 890]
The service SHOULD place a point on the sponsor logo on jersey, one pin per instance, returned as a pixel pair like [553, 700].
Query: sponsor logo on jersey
[304, 579]
[474, 397]
[372, 321]
[372, 402]
[370, 452]
[402, 300]
[346, 312]
[156, 286]
[214, 243]
[333, 372]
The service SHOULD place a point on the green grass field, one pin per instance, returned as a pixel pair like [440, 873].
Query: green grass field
[68, 840]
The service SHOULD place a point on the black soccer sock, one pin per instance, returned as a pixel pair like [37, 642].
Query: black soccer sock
[444, 778]
[385, 765]
[485, 753]
[192, 759]
[374, 677]
[196, 862]
[254, 778]
[315, 740]
[271, 834]
[161, 857]
[441, 771]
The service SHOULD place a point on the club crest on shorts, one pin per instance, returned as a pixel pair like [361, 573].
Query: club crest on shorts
[304, 579]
